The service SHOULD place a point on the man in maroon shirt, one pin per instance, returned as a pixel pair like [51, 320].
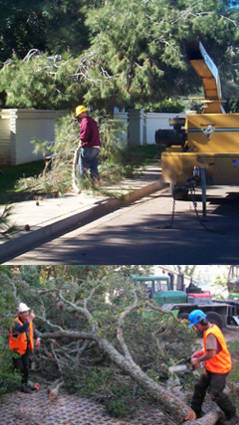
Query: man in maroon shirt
[90, 143]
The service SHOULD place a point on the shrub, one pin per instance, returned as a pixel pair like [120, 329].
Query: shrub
[9, 379]
[58, 177]
[166, 105]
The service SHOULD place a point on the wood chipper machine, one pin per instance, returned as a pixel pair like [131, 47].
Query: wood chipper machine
[205, 144]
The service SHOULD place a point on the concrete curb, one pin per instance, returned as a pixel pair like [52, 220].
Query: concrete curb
[25, 241]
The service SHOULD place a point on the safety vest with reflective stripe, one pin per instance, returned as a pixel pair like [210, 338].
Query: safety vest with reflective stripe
[221, 362]
[19, 343]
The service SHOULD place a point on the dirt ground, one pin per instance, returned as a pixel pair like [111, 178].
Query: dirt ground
[232, 333]
[37, 409]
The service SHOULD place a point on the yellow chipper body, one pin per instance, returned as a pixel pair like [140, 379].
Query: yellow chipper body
[211, 139]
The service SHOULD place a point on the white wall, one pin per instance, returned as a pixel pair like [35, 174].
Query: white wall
[156, 120]
[32, 125]
[5, 134]
[142, 125]
[18, 127]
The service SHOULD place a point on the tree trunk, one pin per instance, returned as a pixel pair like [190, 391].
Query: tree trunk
[177, 409]
[209, 419]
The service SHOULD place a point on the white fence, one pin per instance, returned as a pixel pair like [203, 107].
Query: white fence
[142, 125]
[18, 127]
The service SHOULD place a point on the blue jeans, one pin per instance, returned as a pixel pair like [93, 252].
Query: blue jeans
[89, 159]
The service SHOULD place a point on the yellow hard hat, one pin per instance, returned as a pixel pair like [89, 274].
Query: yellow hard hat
[79, 109]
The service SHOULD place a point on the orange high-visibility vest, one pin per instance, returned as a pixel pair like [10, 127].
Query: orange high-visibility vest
[19, 343]
[221, 362]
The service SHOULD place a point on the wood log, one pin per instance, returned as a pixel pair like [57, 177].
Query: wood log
[209, 419]
[34, 385]
[53, 390]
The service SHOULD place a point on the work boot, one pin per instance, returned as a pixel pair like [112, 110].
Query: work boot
[26, 389]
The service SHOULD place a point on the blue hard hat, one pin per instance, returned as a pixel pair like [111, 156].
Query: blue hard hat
[196, 316]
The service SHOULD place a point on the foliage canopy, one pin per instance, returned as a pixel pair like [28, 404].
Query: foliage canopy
[128, 52]
[81, 309]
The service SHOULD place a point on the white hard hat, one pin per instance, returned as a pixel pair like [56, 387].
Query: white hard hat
[22, 307]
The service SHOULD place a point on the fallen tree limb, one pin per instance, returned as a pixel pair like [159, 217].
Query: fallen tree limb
[176, 408]
[53, 390]
[118, 353]
[169, 403]
[209, 419]
[34, 385]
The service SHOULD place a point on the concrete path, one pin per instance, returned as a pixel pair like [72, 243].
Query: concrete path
[44, 219]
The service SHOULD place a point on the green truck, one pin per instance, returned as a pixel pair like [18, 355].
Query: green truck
[181, 301]
[233, 290]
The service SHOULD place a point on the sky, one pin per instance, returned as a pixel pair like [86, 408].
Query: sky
[205, 276]
[203, 273]
[234, 3]
[209, 273]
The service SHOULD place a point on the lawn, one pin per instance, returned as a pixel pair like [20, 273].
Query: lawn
[132, 158]
[139, 156]
[10, 174]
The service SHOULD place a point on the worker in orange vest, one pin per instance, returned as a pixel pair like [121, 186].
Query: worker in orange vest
[217, 365]
[22, 339]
